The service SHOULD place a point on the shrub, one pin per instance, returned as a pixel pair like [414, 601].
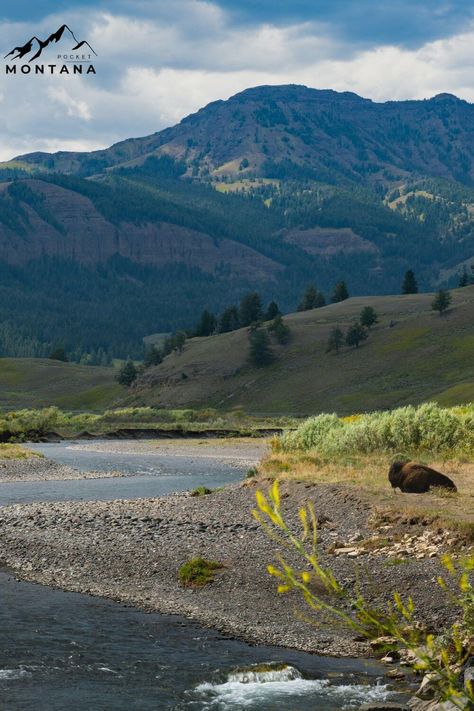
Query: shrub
[441, 655]
[427, 427]
[198, 572]
[201, 491]
[311, 432]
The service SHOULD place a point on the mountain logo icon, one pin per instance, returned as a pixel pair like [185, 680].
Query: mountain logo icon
[35, 46]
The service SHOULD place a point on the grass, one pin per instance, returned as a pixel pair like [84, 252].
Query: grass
[41, 382]
[201, 491]
[15, 451]
[198, 572]
[368, 475]
[422, 357]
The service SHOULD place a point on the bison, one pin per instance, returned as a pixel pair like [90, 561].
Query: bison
[413, 478]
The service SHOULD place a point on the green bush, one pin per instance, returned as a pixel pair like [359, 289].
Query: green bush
[198, 572]
[201, 491]
[427, 427]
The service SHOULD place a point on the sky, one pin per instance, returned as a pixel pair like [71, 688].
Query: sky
[159, 60]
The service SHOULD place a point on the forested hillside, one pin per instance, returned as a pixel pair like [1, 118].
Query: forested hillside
[271, 190]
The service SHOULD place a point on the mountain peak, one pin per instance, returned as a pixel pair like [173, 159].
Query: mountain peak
[446, 97]
[293, 92]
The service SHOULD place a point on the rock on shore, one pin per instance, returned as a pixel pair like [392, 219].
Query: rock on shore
[132, 550]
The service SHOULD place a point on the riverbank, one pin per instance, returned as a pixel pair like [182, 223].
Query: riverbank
[36, 468]
[131, 551]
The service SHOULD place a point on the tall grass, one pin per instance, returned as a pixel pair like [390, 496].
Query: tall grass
[430, 428]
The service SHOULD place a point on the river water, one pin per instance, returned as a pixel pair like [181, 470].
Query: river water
[65, 651]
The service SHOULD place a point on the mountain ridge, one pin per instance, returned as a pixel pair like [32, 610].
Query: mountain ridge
[274, 188]
[340, 134]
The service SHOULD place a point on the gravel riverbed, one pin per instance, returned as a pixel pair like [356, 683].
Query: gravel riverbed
[42, 469]
[131, 550]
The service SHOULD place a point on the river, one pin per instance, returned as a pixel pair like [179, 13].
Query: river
[69, 651]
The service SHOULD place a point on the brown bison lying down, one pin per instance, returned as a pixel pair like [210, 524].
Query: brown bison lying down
[415, 478]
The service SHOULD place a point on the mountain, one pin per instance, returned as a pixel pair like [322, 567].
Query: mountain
[286, 131]
[35, 46]
[277, 187]
[412, 355]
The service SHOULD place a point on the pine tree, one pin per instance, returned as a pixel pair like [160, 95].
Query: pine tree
[463, 279]
[127, 374]
[441, 301]
[59, 354]
[280, 330]
[250, 309]
[272, 312]
[335, 340]
[153, 356]
[260, 353]
[340, 292]
[229, 320]
[355, 334]
[207, 324]
[409, 285]
[312, 299]
[368, 317]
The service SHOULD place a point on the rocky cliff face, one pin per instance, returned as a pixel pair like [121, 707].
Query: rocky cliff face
[79, 232]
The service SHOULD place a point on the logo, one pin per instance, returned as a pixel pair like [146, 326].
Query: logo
[79, 56]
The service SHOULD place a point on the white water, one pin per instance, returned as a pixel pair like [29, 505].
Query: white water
[250, 689]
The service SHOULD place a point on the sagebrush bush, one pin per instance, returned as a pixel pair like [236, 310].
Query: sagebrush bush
[427, 427]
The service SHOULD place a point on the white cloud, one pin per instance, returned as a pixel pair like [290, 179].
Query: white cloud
[151, 73]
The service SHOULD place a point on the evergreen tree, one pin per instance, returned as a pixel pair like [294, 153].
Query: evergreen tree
[179, 341]
[312, 299]
[153, 356]
[409, 285]
[280, 330]
[250, 309]
[260, 353]
[340, 292]
[207, 324]
[175, 342]
[127, 374]
[368, 317]
[355, 334]
[58, 354]
[229, 321]
[441, 301]
[272, 312]
[463, 279]
[335, 340]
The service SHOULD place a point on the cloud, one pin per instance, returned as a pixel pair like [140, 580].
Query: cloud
[165, 60]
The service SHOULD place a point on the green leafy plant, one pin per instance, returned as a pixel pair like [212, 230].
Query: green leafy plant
[441, 655]
[427, 427]
[198, 572]
[201, 491]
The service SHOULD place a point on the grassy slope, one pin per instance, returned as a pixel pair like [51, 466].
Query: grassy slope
[28, 382]
[424, 356]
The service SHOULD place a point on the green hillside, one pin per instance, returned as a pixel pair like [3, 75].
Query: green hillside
[277, 186]
[422, 356]
[36, 382]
